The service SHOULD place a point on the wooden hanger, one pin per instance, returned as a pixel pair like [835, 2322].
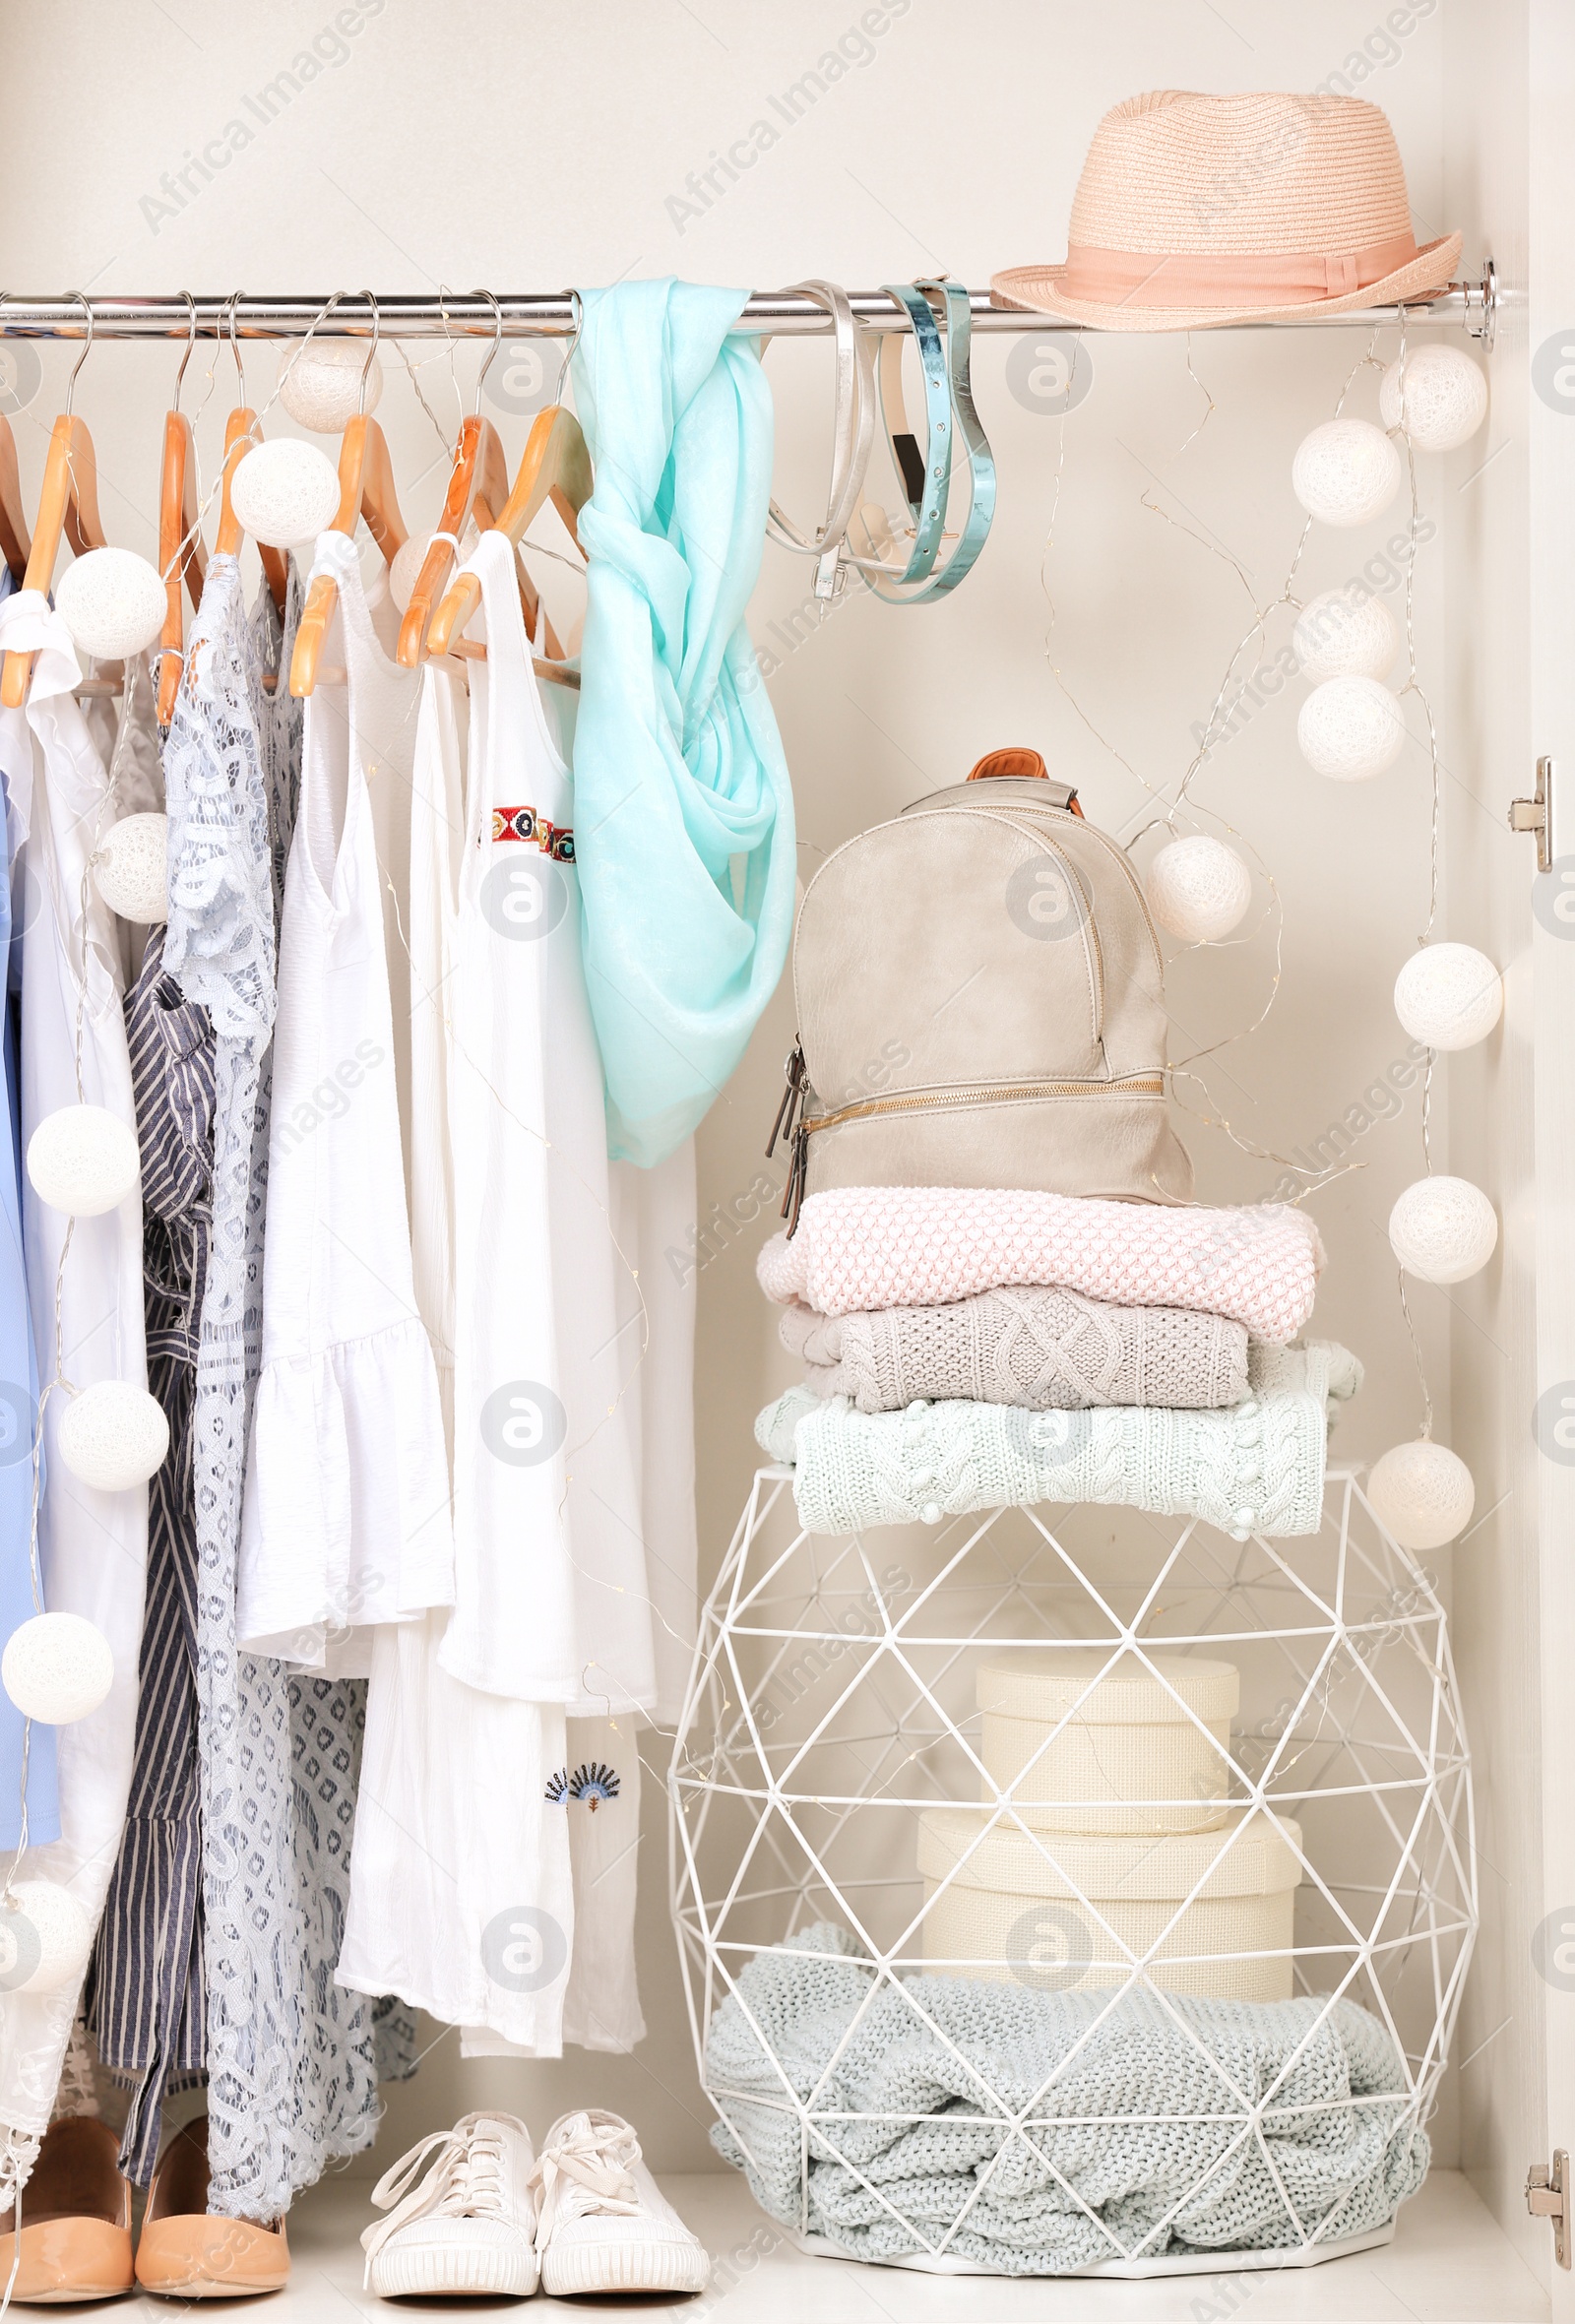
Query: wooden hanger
[14, 542]
[556, 466]
[365, 489]
[68, 505]
[241, 432]
[180, 547]
[180, 553]
[478, 488]
[14, 537]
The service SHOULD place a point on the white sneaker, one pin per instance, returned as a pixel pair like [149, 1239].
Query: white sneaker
[605, 2225]
[470, 2226]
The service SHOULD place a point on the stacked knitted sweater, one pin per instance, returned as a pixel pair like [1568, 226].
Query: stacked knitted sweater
[970, 1350]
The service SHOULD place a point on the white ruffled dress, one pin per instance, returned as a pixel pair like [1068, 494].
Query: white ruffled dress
[348, 1519]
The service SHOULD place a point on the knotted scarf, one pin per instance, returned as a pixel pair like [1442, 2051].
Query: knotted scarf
[683, 813]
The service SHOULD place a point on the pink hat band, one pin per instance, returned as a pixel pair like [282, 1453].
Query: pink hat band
[1186, 278]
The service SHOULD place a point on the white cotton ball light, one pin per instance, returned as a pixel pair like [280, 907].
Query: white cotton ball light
[1443, 1230]
[131, 869]
[1422, 1493]
[321, 389]
[83, 1160]
[113, 603]
[44, 1937]
[405, 570]
[1199, 889]
[57, 1667]
[1346, 473]
[1338, 636]
[1350, 728]
[1445, 398]
[1449, 995]
[285, 492]
[113, 1435]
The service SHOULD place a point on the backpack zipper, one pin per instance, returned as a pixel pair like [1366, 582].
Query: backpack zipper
[1130, 1085]
[792, 1098]
[802, 1129]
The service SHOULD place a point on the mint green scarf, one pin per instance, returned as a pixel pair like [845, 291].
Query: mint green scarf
[683, 814]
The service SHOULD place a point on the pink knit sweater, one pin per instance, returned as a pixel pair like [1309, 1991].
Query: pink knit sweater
[859, 1248]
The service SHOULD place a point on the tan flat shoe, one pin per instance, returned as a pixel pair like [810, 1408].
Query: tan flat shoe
[76, 2219]
[187, 2252]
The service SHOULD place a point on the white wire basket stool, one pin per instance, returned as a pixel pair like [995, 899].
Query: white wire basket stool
[831, 1716]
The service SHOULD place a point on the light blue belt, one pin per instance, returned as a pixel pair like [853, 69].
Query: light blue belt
[926, 475]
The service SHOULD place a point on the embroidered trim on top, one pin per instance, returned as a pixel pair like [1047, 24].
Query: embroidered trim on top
[592, 1782]
[524, 823]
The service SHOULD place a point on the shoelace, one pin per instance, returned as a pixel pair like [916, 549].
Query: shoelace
[594, 2156]
[466, 2176]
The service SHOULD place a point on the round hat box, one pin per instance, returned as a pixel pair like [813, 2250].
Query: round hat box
[1099, 1742]
[1013, 1909]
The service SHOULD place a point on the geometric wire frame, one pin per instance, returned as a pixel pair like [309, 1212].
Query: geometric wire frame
[832, 1699]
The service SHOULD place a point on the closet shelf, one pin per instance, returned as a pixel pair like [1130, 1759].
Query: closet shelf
[550, 315]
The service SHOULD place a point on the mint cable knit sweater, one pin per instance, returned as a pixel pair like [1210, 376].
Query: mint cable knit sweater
[1254, 1467]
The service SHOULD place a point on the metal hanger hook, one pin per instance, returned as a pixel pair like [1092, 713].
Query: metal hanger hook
[71, 383]
[497, 342]
[231, 304]
[371, 352]
[190, 342]
[573, 341]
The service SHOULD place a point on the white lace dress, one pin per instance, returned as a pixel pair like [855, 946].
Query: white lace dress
[291, 2059]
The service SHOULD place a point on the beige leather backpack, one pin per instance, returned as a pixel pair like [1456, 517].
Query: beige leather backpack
[980, 1003]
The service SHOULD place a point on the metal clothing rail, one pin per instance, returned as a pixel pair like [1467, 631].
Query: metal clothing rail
[550, 315]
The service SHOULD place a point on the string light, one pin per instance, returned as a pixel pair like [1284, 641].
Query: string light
[1346, 473]
[1199, 889]
[1350, 728]
[57, 1667]
[113, 602]
[285, 492]
[1443, 402]
[1449, 996]
[131, 870]
[322, 391]
[1341, 469]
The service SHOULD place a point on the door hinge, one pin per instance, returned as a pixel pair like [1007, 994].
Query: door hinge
[1537, 814]
[1547, 2197]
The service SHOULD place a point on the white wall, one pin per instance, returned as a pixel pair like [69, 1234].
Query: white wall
[529, 147]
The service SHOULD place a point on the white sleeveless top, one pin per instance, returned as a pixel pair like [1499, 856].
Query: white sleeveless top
[550, 1587]
[346, 1519]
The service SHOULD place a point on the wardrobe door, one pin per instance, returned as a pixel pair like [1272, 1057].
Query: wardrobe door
[1508, 1105]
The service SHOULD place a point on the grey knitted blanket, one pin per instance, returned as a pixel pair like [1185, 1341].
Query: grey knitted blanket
[1038, 1347]
[1149, 2123]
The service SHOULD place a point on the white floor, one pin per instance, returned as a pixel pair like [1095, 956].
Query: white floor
[1448, 2264]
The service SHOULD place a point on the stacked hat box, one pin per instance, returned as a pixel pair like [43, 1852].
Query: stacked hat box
[1114, 1822]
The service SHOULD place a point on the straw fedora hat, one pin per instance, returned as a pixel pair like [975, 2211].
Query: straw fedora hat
[1201, 210]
